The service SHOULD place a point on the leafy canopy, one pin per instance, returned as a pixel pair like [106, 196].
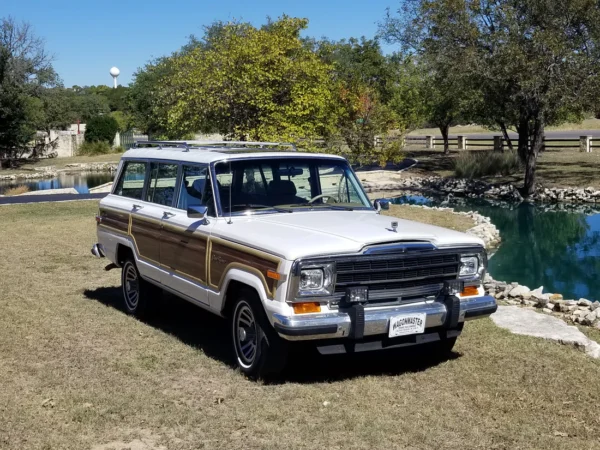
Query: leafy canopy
[248, 83]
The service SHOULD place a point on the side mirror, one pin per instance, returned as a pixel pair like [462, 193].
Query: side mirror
[196, 212]
[381, 204]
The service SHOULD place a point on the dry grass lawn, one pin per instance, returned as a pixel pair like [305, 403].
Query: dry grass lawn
[432, 216]
[563, 168]
[17, 190]
[77, 373]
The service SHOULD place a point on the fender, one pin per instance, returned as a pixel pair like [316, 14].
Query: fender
[271, 306]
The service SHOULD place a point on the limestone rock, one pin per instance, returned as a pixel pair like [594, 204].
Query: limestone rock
[519, 291]
[584, 302]
[595, 305]
[554, 297]
[547, 310]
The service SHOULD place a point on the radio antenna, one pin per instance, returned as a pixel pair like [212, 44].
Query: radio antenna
[230, 189]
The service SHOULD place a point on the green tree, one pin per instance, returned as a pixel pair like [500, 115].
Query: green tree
[373, 94]
[101, 129]
[248, 83]
[25, 73]
[534, 61]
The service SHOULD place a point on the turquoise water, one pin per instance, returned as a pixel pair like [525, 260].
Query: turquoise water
[559, 250]
[82, 182]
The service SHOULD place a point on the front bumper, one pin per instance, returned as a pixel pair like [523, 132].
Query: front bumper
[339, 324]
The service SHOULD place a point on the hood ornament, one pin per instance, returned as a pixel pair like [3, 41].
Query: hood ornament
[394, 227]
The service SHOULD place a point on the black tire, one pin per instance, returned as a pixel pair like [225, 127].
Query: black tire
[259, 351]
[138, 294]
[441, 349]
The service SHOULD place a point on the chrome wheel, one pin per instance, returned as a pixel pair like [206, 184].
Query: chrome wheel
[245, 335]
[131, 286]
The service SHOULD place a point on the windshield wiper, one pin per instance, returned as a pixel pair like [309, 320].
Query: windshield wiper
[335, 207]
[252, 206]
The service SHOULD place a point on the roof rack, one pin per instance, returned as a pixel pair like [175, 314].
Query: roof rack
[214, 145]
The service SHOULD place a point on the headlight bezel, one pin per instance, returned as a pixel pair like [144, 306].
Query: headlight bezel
[325, 290]
[479, 273]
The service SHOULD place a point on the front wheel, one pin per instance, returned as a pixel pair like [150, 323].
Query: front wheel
[259, 351]
[442, 348]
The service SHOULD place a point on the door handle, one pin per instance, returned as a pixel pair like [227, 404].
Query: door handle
[167, 215]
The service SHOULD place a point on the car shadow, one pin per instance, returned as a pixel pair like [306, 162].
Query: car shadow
[203, 330]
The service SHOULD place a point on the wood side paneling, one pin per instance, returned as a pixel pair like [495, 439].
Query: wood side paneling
[146, 234]
[116, 220]
[223, 255]
[184, 251]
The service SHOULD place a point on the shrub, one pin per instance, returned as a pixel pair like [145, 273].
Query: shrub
[17, 190]
[94, 148]
[101, 128]
[484, 163]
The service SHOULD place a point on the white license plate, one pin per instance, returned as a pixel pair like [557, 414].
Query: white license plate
[407, 324]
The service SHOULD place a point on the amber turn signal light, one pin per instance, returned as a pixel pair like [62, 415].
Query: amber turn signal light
[469, 291]
[307, 307]
[273, 275]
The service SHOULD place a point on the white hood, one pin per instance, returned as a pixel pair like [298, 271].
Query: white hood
[312, 233]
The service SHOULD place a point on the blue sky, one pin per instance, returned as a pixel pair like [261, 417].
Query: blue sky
[88, 37]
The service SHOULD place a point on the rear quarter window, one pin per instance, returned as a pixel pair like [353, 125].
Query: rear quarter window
[131, 181]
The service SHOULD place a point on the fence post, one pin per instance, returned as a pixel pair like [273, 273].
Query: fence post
[429, 142]
[584, 144]
[498, 146]
[461, 142]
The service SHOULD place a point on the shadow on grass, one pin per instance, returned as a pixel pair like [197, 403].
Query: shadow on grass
[204, 330]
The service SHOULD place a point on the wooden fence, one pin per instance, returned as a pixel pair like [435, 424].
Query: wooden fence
[582, 143]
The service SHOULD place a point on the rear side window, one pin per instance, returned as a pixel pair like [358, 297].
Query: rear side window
[131, 183]
[163, 180]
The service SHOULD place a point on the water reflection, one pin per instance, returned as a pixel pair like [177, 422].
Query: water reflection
[540, 246]
[81, 181]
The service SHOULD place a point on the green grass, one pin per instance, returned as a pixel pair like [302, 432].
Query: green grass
[76, 372]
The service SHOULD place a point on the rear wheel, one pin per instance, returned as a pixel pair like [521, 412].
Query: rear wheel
[137, 292]
[258, 349]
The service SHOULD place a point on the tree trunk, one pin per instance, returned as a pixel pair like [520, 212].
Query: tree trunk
[523, 145]
[506, 136]
[537, 143]
[445, 128]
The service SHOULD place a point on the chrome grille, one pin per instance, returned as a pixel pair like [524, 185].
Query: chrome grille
[397, 275]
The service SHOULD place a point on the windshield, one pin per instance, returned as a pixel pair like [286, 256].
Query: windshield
[287, 185]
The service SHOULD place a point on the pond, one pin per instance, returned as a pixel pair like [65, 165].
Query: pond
[555, 246]
[81, 181]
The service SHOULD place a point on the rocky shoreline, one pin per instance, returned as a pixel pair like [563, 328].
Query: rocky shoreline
[480, 189]
[52, 172]
[582, 311]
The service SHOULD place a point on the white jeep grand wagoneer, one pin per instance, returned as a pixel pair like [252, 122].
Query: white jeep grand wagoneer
[287, 247]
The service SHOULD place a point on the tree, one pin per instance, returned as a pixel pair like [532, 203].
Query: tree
[534, 60]
[25, 71]
[247, 83]
[101, 129]
[373, 94]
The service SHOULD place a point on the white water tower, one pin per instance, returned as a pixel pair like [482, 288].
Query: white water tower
[114, 72]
